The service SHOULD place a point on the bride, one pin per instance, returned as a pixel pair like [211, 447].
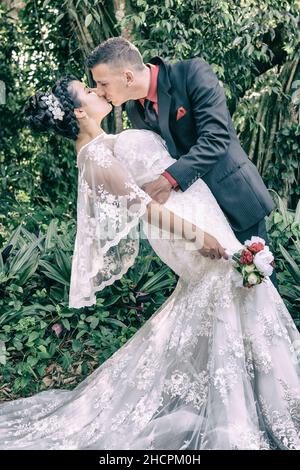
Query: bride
[215, 366]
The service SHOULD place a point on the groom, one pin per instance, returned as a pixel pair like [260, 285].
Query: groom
[185, 103]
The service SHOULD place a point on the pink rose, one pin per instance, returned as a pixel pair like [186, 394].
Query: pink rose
[256, 247]
[246, 257]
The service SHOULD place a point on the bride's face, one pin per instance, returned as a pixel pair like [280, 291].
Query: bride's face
[94, 106]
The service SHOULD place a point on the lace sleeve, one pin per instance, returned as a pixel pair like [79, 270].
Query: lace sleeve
[109, 206]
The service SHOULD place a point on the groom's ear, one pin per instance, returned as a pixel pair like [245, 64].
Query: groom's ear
[129, 77]
[79, 113]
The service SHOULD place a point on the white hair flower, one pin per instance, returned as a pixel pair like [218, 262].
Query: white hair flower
[54, 106]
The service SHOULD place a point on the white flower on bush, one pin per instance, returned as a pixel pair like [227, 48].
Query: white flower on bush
[263, 260]
[253, 279]
[255, 240]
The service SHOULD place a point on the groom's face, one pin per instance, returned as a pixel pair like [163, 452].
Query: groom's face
[112, 83]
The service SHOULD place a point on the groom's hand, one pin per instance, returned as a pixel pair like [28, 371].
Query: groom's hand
[158, 189]
[212, 248]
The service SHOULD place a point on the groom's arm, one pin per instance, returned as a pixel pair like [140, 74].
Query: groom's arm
[210, 113]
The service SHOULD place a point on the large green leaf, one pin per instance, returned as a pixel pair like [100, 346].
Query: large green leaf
[292, 266]
[51, 232]
[23, 256]
[151, 283]
[53, 273]
[64, 262]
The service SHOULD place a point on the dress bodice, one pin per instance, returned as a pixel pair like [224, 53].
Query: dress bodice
[144, 153]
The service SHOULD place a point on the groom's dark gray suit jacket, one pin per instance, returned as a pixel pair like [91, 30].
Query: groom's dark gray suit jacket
[204, 141]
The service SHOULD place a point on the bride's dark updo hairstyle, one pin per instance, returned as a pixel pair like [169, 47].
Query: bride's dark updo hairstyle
[41, 119]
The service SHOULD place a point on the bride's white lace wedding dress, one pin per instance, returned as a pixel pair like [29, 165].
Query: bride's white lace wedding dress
[214, 368]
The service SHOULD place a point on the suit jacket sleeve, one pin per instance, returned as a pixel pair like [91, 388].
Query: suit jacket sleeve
[210, 113]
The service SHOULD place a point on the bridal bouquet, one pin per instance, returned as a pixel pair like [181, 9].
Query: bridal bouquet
[254, 262]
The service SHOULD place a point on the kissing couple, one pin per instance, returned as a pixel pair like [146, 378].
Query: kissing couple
[216, 366]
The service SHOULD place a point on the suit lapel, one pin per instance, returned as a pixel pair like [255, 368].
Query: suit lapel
[164, 104]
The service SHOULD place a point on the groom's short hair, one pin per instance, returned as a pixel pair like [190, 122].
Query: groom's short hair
[115, 51]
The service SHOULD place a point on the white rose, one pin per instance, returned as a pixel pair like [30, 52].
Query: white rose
[263, 260]
[255, 240]
[249, 268]
[252, 279]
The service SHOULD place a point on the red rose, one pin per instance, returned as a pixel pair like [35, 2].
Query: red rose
[256, 247]
[246, 257]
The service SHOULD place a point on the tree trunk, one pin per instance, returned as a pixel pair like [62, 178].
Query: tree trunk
[121, 9]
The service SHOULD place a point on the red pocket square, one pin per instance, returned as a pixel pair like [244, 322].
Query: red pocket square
[180, 113]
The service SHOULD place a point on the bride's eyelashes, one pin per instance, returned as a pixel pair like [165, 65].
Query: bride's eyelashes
[88, 90]
[91, 91]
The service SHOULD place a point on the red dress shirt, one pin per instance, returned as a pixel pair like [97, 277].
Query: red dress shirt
[152, 96]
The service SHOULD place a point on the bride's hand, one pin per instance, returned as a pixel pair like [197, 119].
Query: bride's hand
[211, 248]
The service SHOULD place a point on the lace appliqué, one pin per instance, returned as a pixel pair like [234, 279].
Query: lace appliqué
[100, 154]
[191, 390]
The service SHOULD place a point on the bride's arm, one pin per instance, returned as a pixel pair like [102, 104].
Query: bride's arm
[162, 218]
